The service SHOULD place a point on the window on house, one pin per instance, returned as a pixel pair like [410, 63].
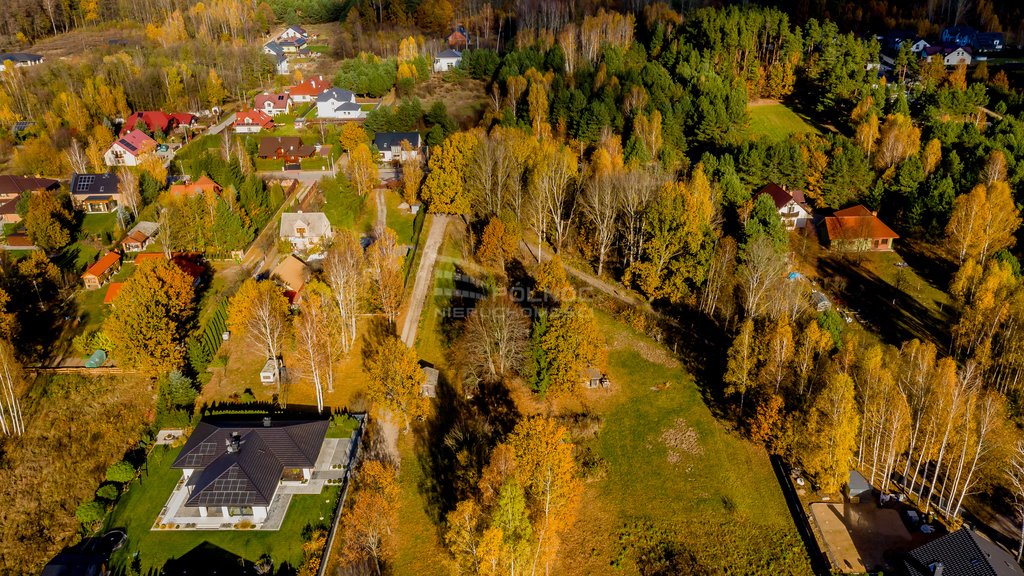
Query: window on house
[300, 232]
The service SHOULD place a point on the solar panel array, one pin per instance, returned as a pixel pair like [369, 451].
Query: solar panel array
[131, 147]
[84, 181]
[196, 457]
[233, 488]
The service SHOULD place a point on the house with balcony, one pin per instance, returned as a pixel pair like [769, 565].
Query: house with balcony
[793, 208]
[95, 193]
[129, 149]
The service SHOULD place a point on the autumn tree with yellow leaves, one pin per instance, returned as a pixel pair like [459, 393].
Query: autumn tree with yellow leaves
[395, 378]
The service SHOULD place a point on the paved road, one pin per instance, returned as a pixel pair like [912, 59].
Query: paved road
[218, 128]
[424, 278]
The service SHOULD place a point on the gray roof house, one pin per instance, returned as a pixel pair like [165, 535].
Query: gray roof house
[240, 464]
[20, 59]
[961, 553]
[389, 144]
[305, 229]
[447, 60]
[338, 103]
[95, 192]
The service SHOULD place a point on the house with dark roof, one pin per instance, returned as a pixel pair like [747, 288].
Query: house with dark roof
[276, 52]
[951, 55]
[233, 470]
[287, 148]
[338, 104]
[793, 208]
[293, 32]
[19, 59]
[857, 229]
[292, 46]
[401, 146]
[273, 104]
[129, 149]
[961, 553]
[96, 193]
[447, 60]
[15, 186]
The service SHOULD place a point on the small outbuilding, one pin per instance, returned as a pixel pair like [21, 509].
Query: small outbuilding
[858, 489]
[594, 378]
[820, 301]
[429, 387]
[271, 372]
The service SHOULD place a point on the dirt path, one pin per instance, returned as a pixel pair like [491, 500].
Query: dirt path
[263, 246]
[382, 210]
[590, 280]
[424, 278]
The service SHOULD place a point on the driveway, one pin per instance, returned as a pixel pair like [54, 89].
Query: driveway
[424, 278]
[218, 128]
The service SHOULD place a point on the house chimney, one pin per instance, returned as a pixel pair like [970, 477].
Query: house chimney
[266, 421]
[937, 569]
[234, 443]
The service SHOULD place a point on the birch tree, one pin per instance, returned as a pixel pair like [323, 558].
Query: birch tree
[259, 313]
[343, 270]
[554, 180]
[76, 157]
[496, 337]
[315, 336]
[128, 187]
[601, 207]
[11, 422]
[1015, 475]
[384, 270]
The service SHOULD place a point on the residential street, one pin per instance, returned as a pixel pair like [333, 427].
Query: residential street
[424, 278]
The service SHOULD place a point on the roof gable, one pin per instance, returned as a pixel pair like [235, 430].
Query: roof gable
[136, 142]
[19, 184]
[93, 184]
[387, 140]
[336, 94]
[963, 553]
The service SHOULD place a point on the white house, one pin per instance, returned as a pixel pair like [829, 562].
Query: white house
[305, 229]
[961, 55]
[918, 46]
[447, 60]
[390, 146]
[338, 104]
[276, 52]
[293, 32]
[793, 209]
[252, 121]
[19, 59]
[129, 150]
[273, 104]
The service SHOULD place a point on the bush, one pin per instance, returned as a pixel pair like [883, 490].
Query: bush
[121, 472]
[107, 492]
[89, 513]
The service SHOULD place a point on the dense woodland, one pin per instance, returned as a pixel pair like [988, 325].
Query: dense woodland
[615, 141]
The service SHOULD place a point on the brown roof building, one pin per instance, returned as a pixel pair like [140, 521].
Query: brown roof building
[102, 270]
[857, 229]
[287, 148]
[15, 186]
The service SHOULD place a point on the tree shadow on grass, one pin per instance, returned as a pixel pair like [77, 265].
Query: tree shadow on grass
[888, 311]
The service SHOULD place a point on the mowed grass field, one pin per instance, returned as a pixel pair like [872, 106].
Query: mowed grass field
[776, 121]
[669, 462]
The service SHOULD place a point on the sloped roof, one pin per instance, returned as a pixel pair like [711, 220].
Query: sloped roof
[250, 117]
[93, 184]
[316, 224]
[856, 223]
[450, 54]
[339, 94]
[17, 184]
[961, 553]
[387, 140]
[311, 86]
[201, 186]
[20, 57]
[291, 272]
[113, 289]
[274, 47]
[137, 142]
[778, 194]
[277, 101]
[248, 476]
[291, 145]
[103, 264]
[154, 119]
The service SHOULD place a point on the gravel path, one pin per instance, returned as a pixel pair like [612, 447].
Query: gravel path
[424, 278]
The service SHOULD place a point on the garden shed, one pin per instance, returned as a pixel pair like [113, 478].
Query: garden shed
[858, 488]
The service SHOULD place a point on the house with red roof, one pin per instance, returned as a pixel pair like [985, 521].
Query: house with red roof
[273, 104]
[112, 291]
[129, 149]
[857, 229]
[154, 120]
[308, 90]
[252, 121]
[793, 208]
[98, 274]
[204, 185]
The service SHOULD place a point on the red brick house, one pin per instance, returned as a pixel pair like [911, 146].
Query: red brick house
[857, 229]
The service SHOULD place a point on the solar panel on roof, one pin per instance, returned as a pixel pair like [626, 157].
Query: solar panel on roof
[84, 182]
[128, 145]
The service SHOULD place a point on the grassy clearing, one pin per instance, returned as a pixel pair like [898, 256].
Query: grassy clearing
[343, 206]
[776, 121]
[420, 551]
[140, 506]
[719, 496]
[399, 220]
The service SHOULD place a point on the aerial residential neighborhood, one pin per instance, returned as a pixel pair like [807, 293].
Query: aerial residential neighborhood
[530, 288]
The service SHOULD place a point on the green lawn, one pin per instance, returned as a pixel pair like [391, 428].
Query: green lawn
[718, 496]
[269, 165]
[97, 224]
[344, 207]
[401, 221]
[140, 506]
[319, 48]
[776, 121]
